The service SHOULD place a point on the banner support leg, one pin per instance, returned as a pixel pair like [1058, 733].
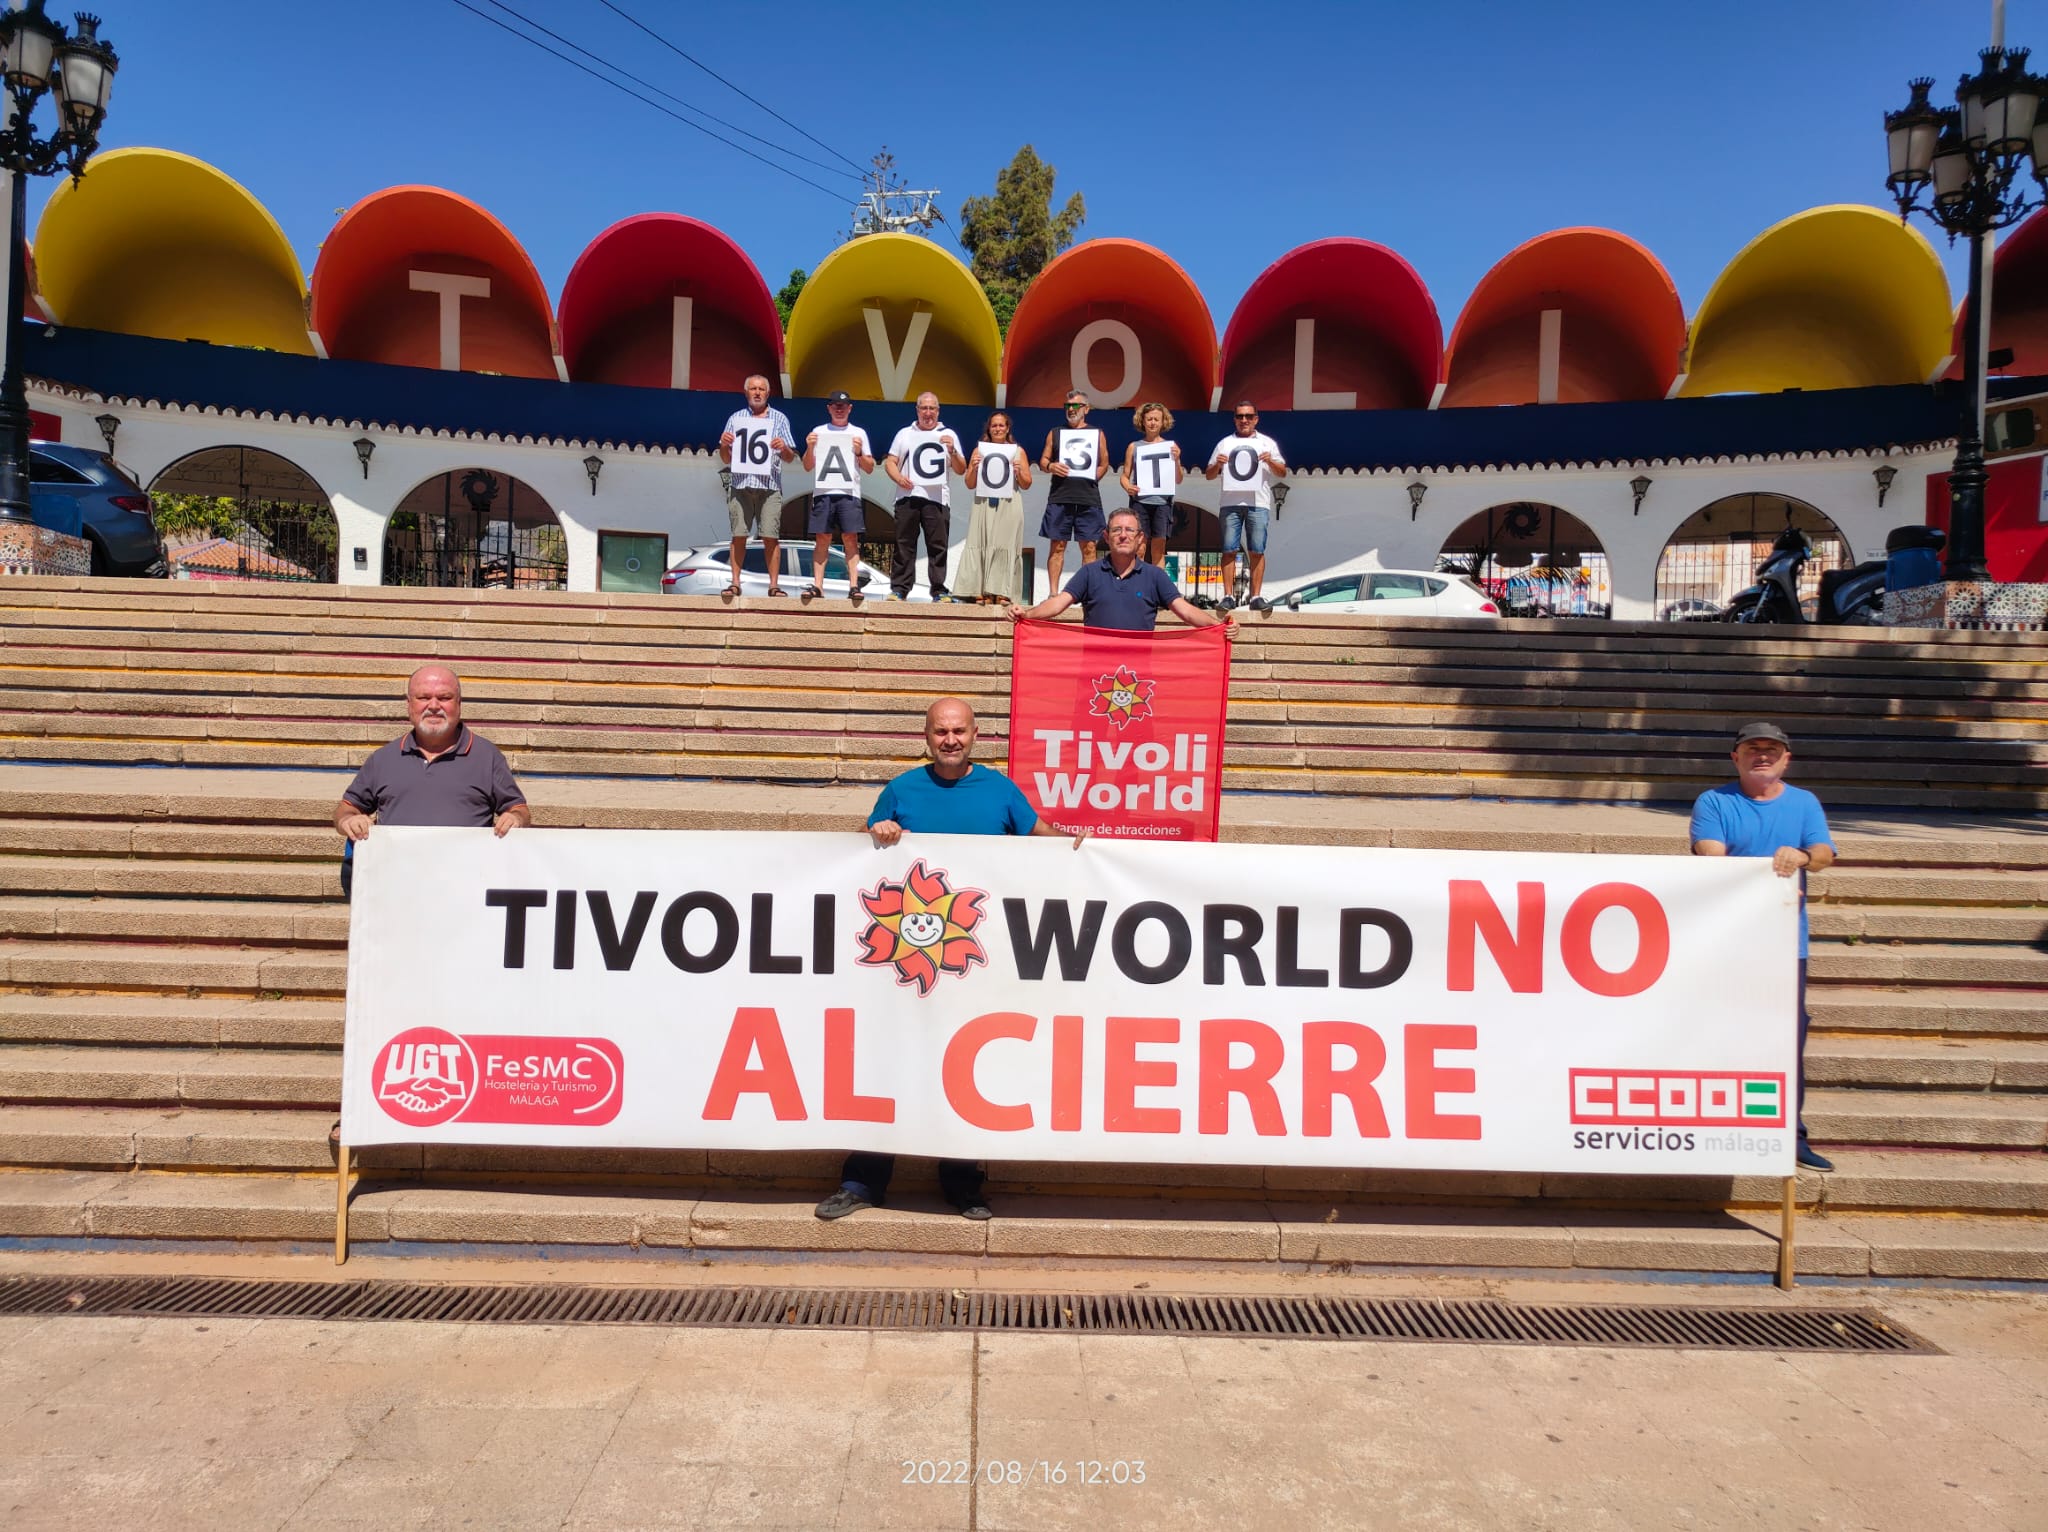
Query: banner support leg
[341, 1159]
[1788, 1216]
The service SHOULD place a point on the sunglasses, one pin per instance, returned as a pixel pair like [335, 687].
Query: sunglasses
[1074, 408]
[1247, 416]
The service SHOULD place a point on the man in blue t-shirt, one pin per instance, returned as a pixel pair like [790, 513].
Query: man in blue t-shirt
[1761, 814]
[1120, 590]
[950, 796]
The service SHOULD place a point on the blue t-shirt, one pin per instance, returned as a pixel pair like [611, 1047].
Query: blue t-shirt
[1749, 828]
[983, 802]
[1131, 603]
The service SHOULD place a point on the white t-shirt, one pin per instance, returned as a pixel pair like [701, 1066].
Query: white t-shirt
[996, 474]
[1246, 478]
[837, 452]
[922, 457]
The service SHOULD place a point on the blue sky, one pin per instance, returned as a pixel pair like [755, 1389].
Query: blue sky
[1224, 134]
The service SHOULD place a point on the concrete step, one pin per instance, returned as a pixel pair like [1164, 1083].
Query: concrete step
[1029, 1231]
[186, 920]
[170, 1076]
[263, 973]
[1942, 1063]
[299, 833]
[103, 1020]
[172, 878]
[1960, 1011]
[1859, 884]
[1912, 923]
[1925, 964]
[1931, 1118]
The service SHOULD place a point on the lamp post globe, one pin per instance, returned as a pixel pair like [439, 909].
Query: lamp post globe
[1965, 159]
[39, 57]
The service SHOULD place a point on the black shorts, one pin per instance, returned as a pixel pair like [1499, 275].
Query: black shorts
[836, 513]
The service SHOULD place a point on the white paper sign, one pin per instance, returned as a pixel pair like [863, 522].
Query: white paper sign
[999, 997]
[1152, 470]
[1077, 451]
[837, 454]
[996, 473]
[751, 455]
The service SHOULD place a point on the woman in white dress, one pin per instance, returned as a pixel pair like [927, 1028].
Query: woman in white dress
[992, 563]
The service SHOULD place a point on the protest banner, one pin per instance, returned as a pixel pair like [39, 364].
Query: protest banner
[989, 997]
[1120, 733]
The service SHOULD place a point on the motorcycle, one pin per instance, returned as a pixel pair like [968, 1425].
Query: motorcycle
[1848, 597]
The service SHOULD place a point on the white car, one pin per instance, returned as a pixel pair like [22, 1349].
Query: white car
[708, 572]
[1392, 593]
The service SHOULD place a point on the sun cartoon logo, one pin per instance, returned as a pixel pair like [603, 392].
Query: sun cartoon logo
[1121, 698]
[922, 928]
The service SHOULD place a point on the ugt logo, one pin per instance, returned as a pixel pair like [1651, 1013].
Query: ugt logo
[922, 928]
[1121, 697]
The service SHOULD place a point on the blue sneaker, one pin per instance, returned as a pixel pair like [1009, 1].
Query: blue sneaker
[1811, 1158]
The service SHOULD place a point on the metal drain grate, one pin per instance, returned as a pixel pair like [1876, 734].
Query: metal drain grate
[1301, 1318]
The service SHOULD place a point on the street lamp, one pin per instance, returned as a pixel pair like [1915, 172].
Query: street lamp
[1966, 157]
[77, 69]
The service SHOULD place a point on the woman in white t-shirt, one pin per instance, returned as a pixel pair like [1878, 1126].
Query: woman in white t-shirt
[992, 563]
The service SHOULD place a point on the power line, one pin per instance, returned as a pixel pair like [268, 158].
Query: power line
[722, 80]
[687, 106]
[647, 100]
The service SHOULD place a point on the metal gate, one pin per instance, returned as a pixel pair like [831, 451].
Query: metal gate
[271, 540]
[478, 545]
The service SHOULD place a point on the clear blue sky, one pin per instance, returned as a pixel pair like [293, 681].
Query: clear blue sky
[1224, 134]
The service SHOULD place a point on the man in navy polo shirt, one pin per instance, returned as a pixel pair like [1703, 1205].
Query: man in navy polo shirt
[1120, 590]
[1761, 814]
[436, 773]
[949, 796]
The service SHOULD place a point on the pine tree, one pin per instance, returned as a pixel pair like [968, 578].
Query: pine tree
[1013, 235]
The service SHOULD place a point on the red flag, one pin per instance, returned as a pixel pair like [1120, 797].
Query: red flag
[1120, 732]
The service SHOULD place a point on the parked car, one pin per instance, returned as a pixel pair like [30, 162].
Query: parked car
[82, 493]
[1690, 609]
[1392, 593]
[708, 572]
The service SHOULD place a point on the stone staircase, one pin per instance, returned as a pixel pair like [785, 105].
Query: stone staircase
[173, 948]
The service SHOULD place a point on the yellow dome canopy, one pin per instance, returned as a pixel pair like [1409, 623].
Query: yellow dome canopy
[829, 344]
[1835, 297]
[153, 242]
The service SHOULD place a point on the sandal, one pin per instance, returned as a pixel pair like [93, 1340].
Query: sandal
[812, 593]
[729, 592]
[777, 590]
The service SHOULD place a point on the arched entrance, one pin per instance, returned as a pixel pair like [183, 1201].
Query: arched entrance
[241, 513]
[1716, 550]
[473, 529]
[1535, 560]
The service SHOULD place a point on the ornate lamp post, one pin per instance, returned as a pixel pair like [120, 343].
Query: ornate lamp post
[77, 70]
[1966, 158]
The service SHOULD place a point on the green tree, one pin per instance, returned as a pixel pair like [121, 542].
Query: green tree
[786, 299]
[1013, 234]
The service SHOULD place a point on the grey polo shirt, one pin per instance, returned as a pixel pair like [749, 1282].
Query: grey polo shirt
[470, 785]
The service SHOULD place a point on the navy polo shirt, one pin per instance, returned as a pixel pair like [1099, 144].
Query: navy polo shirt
[469, 785]
[1131, 601]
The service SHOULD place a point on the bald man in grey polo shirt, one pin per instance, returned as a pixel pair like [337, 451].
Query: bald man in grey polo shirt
[437, 773]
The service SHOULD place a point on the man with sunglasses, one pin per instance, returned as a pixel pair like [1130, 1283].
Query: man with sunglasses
[1121, 590]
[1076, 455]
[1249, 463]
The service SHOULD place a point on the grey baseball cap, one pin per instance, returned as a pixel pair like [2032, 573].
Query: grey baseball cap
[839, 396]
[1750, 731]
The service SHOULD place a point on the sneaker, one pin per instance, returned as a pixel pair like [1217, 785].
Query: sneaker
[1811, 1158]
[975, 1207]
[1227, 604]
[842, 1202]
[1257, 603]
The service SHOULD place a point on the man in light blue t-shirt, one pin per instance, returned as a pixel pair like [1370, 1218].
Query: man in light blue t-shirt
[949, 796]
[1761, 814]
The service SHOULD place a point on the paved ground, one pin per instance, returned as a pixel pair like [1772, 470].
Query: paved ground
[287, 1424]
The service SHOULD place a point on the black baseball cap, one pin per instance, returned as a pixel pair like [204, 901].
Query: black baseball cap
[1750, 731]
[839, 396]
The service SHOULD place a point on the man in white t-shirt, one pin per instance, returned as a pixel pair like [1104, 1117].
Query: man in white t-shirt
[837, 455]
[756, 442]
[1249, 464]
[919, 459]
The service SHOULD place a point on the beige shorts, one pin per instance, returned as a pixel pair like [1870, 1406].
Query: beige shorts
[754, 512]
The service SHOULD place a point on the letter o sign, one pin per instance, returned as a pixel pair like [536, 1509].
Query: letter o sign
[1653, 940]
[1244, 464]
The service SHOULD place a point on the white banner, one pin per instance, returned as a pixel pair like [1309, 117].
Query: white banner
[987, 997]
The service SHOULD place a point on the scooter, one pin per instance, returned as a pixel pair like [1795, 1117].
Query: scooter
[1849, 597]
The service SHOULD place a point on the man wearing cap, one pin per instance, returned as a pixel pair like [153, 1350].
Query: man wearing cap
[756, 442]
[1761, 814]
[837, 455]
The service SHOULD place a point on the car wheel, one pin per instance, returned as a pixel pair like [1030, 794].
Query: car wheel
[100, 562]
